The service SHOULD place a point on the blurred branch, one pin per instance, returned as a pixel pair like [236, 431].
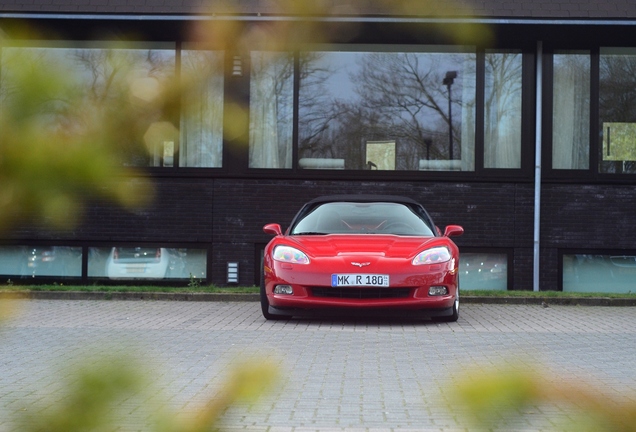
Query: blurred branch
[59, 146]
[96, 392]
[491, 397]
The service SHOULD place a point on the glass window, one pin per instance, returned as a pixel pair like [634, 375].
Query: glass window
[409, 110]
[34, 261]
[103, 78]
[144, 262]
[571, 110]
[502, 110]
[483, 271]
[599, 273]
[363, 218]
[271, 110]
[617, 110]
[202, 109]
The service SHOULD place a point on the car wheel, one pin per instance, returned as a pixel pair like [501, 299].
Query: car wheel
[265, 303]
[455, 315]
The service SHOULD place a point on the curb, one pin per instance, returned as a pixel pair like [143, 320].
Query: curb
[228, 297]
[98, 295]
[550, 301]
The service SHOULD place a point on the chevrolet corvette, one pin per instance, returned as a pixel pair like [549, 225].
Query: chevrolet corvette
[361, 253]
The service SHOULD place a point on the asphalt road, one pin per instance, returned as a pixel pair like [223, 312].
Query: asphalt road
[338, 374]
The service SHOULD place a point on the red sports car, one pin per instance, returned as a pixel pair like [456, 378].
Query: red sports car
[361, 253]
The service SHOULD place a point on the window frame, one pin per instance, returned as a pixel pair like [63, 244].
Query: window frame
[235, 162]
[524, 173]
[593, 173]
[84, 246]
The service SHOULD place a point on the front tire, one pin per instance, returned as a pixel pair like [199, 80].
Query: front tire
[265, 303]
[455, 315]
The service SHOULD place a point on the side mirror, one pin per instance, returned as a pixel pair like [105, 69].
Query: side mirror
[273, 229]
[453, 231]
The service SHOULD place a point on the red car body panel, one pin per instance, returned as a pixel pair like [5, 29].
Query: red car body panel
[334, 254]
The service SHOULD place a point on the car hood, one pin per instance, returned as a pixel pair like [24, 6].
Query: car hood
[369, 245]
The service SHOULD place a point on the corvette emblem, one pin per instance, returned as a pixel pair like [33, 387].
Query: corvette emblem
[360, 264]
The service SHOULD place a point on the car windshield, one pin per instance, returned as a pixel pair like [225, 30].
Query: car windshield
[362, 218]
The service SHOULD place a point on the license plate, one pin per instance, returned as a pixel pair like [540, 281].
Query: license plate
[136, 268]
[352, 279]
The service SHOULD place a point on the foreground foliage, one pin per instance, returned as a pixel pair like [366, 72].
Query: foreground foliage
[58, 147]
[104, 391]
[497, 397]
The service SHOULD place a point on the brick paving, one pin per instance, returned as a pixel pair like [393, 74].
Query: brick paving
[339, 374]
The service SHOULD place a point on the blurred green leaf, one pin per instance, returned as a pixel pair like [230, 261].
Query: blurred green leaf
[96, 392]
[491, 397]
[60, 147]
[90, 400]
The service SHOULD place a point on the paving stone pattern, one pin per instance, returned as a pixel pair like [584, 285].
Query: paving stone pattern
[339, 374]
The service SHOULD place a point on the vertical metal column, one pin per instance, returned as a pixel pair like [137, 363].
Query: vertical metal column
[537, 166]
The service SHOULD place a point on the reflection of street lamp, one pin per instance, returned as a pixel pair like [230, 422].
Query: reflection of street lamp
[448, 82]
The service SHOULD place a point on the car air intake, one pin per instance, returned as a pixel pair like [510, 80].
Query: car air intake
[361, 293]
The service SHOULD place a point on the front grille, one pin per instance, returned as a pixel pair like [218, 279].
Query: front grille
[361, 293]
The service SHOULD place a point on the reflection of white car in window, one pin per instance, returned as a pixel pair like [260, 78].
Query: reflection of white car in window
[139, 262]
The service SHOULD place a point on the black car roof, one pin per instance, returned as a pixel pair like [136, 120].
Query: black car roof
[364, 198]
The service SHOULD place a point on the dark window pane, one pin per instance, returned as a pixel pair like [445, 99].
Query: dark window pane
[387, 110]
[271, 110]
[146, 263]
[502, 110]
[483, 271]
[202, 109]
[571, 111]
[34, 261]
[104, 81]
[617, 110]
[599, 273]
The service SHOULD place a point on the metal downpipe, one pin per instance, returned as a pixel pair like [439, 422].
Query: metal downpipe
[537, 166]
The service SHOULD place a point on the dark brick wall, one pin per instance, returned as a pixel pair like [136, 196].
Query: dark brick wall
[585, 217]
[589, 216]
[181, 211]
[226, 216]
[493, 215]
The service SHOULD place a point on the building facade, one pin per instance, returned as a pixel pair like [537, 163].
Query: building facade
[516, 120]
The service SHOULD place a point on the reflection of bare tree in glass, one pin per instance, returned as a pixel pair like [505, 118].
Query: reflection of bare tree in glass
[284, 90]
[405, 90]
[102, 80]
[396, 97]
[201, 137]
[571, 111]
[271, 110]
[316, 109]
[502, 135]
[49, 102]
[387, 97]
[617, 96]
[617, 103]
[104, 77]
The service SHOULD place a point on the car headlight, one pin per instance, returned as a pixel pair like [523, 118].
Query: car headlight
[289, 254]
[434, 255]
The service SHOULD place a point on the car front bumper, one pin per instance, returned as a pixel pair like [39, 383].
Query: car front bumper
[408, 291]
